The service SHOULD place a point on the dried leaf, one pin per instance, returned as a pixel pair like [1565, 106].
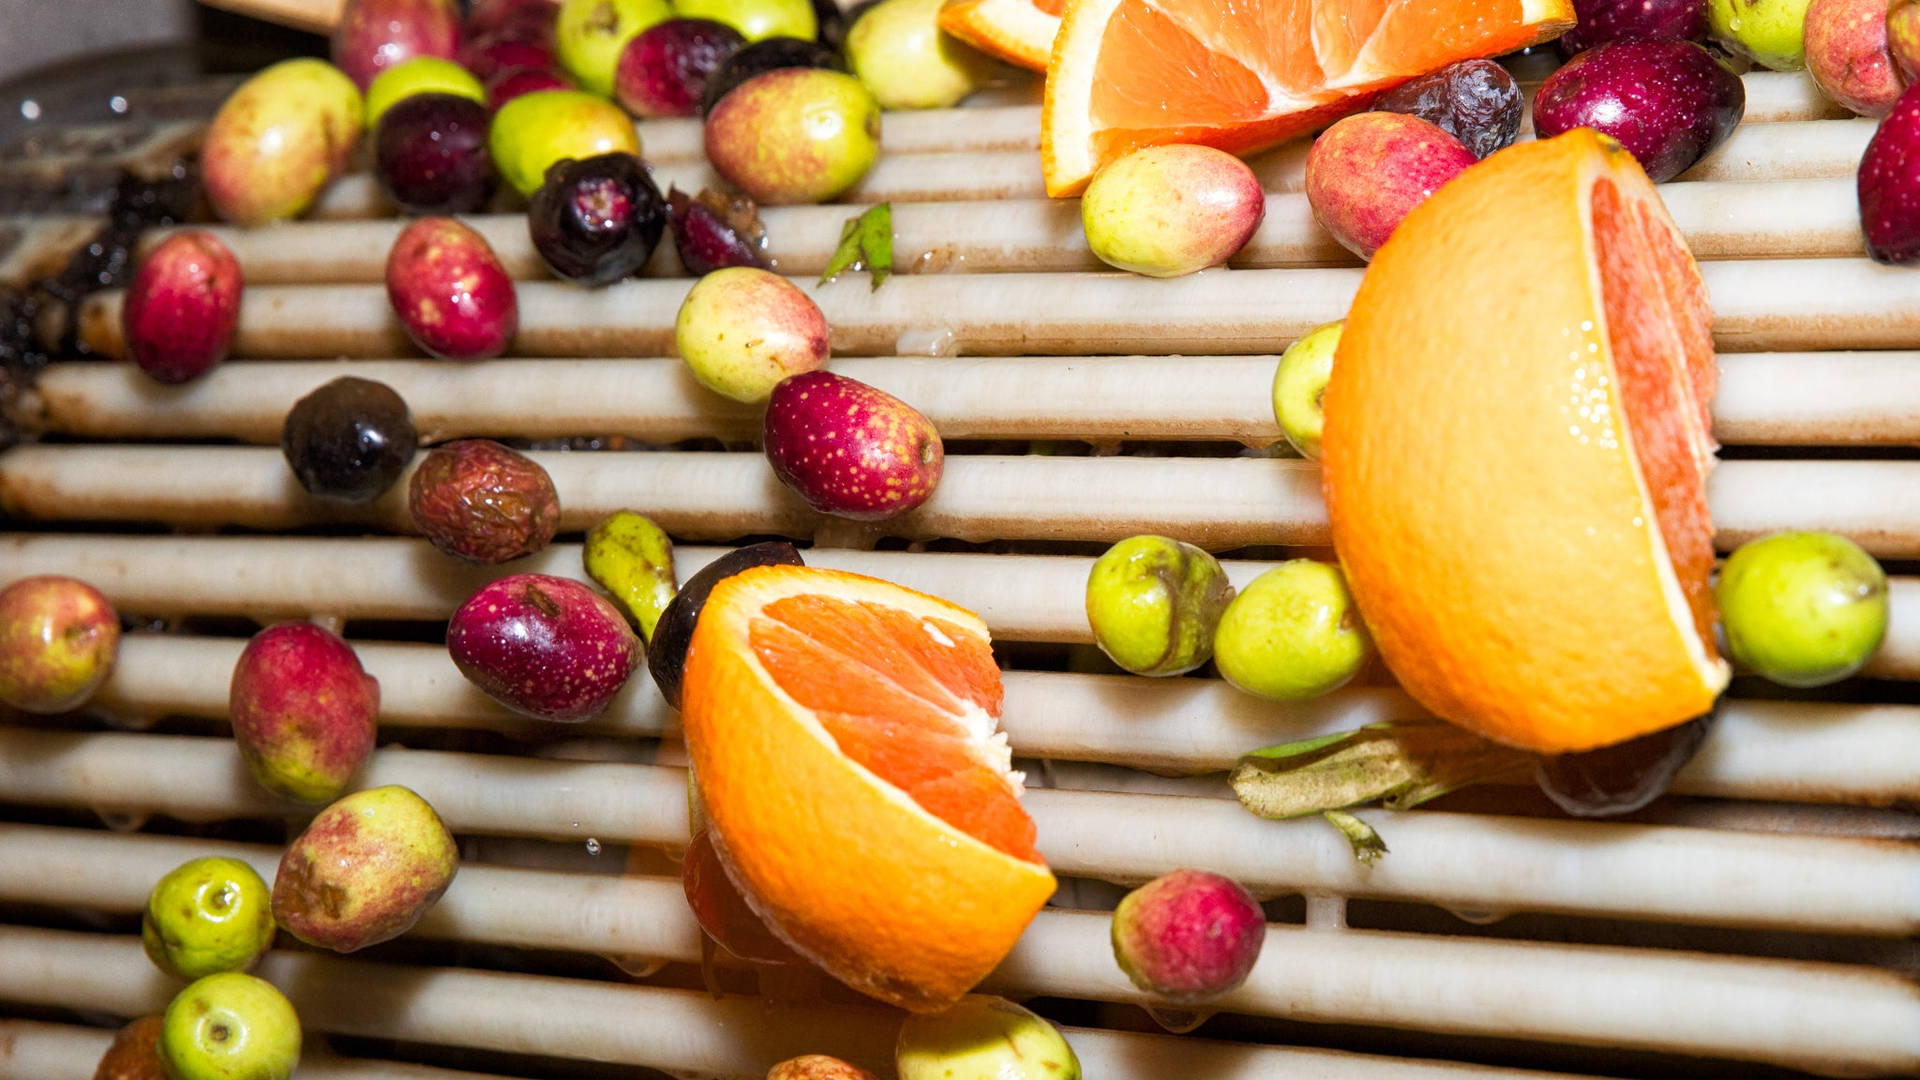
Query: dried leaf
[866, 242]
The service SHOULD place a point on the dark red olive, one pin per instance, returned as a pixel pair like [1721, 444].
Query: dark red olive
[430, 154]
[712, 230]
[598, 220]
[1601, 21]
[1668, 102]
[664, 71]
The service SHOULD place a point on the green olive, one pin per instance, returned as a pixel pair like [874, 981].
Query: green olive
[1299, 384]
[1293, 633]
[206, 916]
[1153, 603]
[632, 558]
[1802, 608]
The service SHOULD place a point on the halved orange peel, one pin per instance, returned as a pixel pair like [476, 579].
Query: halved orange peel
[1515, 452]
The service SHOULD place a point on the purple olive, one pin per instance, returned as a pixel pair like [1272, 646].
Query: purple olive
[546, 647]
[769, 54]
[1475, 101]
[1668, 102]
[430, 154]
[664, 71]
[598, 220]
[712, 230]
[1602, 21]
[1889, 185]
[667, 652]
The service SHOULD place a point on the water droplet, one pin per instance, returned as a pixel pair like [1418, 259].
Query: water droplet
[1478, 916]
[123, 820]
[640, 967]
[1178, 1021]
[593, 846]
[927, 341]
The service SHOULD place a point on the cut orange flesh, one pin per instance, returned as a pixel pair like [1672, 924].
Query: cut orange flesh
[1516, 447]
[1248, 74]
[894, 689]
[842, 730]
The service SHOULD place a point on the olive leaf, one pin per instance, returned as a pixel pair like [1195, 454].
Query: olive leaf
[1399, 764]
[866, 242]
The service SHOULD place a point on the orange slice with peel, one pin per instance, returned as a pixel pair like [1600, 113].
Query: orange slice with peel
[842, 730]
[1515, 452]
[1017, 31]
[1244, 75]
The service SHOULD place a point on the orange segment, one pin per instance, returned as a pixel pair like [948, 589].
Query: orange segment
[1515, 452]
[1244, 75]
[1017, 31]
[842, 730]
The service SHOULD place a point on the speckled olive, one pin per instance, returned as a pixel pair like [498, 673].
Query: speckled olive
[546, 647]
[850, 449]
[1368, 171]
[1668, 102]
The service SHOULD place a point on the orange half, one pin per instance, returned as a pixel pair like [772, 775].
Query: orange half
[1244, 75]
[843, 732]
[1516, 447]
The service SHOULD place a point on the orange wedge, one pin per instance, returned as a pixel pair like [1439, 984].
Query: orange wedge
[1516, 447]
[842, 730]
[1017, 31]
[1243, 75]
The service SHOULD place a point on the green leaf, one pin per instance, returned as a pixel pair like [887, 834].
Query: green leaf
[866, 242]
[1367, 845]
[1400, 763]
